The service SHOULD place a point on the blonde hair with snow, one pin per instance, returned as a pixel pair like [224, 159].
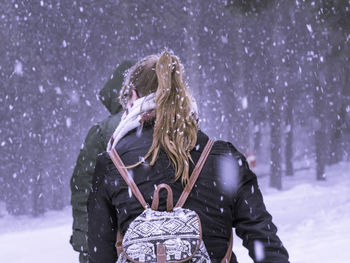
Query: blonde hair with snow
[175, 129]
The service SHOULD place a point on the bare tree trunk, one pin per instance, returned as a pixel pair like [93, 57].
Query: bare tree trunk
[320, 136]
[290, 86]
[36, 163]
[275, 147]
[339, 127]
[37, 194]
[257, 135]
[289, 139]
[244, 71]
[275, 109]
[346, 110]
[192, 46]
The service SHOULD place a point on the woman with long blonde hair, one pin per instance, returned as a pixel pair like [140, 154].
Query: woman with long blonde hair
[159, 142]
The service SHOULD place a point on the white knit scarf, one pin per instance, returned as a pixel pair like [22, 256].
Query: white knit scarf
[132, 117]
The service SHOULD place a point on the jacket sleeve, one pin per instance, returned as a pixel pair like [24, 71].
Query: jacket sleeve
[252, 222]
[80, 185]
[102, 217]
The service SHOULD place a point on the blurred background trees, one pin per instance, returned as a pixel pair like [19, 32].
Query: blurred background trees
[270, 76]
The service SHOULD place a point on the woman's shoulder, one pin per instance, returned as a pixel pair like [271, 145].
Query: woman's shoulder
[229, 163]
[220, 147]
[137, 140]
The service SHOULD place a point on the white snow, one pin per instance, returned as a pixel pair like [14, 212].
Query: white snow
[313, 219]
[309, 28]
[45, 239]
[244, 102]
[259, 250]
[41, 89]
[68, 122]
[18, 68]
[58, 90]
[224, 39]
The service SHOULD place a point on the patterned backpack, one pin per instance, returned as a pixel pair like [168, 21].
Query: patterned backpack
[174, 235]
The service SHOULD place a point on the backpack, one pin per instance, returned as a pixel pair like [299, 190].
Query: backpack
[156, 236]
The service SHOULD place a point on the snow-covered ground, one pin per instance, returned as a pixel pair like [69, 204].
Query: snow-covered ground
[34, 240]
[313, 220]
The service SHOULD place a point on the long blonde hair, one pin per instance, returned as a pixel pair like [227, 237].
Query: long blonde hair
[175, 129]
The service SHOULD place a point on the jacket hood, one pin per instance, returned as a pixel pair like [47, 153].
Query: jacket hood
[109, 95]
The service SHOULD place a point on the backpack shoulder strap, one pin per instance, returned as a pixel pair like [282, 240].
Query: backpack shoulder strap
[126, 176]
[228, 254]
[196, 171]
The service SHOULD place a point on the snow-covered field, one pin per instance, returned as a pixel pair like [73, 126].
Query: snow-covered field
[313, 220]
[313, 217]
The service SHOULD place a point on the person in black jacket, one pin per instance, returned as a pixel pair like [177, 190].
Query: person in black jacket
[159, 140]
[95, 142]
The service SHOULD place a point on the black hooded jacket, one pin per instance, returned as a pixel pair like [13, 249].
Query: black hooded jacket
[225, 195]
[95, 142]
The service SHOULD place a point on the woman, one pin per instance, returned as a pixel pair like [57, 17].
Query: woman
[159, 140]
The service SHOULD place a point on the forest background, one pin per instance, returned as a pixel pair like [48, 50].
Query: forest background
[272, 77]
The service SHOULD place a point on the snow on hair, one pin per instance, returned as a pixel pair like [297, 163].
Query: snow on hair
[175, 129]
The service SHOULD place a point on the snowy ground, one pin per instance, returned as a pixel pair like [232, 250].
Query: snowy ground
[313, 220]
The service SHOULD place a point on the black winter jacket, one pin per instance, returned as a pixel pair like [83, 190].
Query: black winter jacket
[225, 195]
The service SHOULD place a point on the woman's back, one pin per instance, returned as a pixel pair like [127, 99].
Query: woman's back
[225, 195]
[214, 196]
